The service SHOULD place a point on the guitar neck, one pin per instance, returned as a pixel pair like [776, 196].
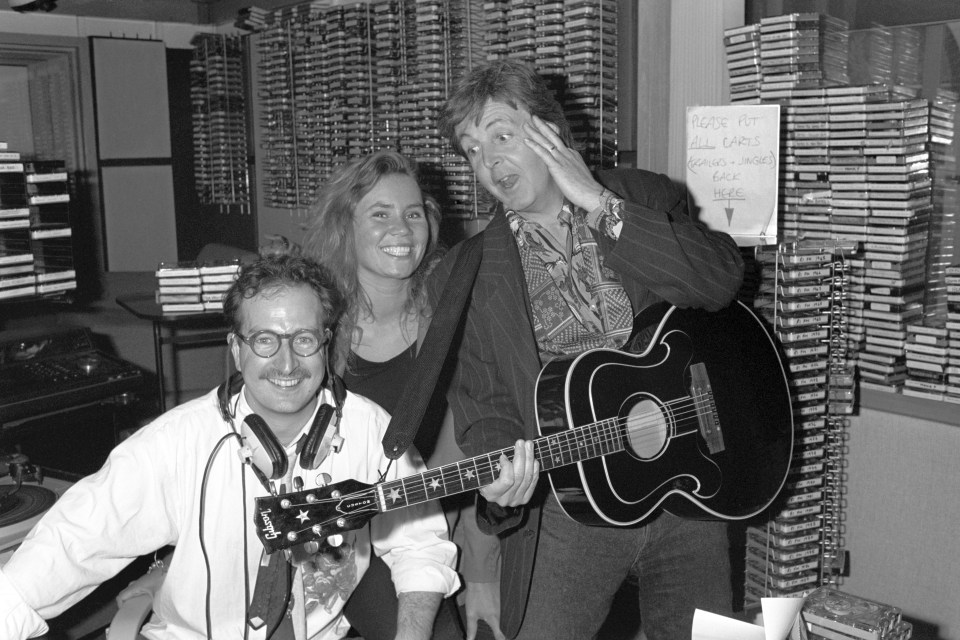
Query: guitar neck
[553, 451]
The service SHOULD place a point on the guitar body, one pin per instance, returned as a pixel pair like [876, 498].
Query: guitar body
[705, 411]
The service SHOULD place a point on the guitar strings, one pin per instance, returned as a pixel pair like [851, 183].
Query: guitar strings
[609, 432]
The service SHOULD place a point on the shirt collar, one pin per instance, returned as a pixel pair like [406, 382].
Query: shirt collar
[568, 213]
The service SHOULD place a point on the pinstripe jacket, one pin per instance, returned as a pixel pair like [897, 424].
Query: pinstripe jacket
[661, 254]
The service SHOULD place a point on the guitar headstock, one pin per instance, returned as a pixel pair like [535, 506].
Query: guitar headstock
[314, 514]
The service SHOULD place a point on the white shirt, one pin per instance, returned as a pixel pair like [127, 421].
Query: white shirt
[150, 494]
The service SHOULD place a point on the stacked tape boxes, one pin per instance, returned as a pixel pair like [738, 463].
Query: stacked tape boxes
[219, 109]
[36, 234]
[337, 82]
[189, 287]
[801, 294]
[952, 325]
[869, 163]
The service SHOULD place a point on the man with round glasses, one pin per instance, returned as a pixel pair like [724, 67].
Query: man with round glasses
[190, 479]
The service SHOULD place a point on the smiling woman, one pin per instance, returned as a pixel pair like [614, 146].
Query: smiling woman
[376, 232]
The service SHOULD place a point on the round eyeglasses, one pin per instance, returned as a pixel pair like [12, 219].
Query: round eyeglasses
[304, 343]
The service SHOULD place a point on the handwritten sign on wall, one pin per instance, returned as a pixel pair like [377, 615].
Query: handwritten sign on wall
[733, 162]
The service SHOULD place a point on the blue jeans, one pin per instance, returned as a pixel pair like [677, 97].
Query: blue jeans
[680, 565]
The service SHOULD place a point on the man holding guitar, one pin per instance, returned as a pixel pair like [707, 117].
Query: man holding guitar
[191, 478]
[568, 260]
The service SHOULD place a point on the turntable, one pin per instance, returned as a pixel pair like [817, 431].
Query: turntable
[21, 508]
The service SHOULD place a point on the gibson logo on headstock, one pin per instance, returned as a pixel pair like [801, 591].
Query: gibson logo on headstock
[269, 532]
[357, 503]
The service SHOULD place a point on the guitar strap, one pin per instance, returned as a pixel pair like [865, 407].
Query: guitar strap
[420, 385]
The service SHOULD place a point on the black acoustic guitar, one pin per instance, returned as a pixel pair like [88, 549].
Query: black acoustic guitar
[694, 417]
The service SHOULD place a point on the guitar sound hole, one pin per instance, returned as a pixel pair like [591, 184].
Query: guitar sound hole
[646, 429]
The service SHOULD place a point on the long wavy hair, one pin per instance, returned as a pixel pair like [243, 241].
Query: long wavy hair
[330, 240]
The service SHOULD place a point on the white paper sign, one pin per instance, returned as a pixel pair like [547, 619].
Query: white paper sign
[781, 621]
[733, 161]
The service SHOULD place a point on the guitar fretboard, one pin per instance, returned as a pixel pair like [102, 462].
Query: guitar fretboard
[553, 451]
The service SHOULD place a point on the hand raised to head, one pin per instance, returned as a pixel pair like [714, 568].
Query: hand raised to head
[565, 164]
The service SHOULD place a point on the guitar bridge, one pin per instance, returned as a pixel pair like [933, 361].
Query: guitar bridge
[702, 395]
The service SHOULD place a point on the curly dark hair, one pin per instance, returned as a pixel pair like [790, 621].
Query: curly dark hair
[285, 270]
[508, 81]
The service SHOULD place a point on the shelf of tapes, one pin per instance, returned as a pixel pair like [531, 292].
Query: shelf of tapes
[574, 45]
[443, 40]
[770, 59]
[881, 195]
[952, 326]
[217, 95]
[339, 82]
[36, 237]
[869, 163]
[926, 341]
[801, 295]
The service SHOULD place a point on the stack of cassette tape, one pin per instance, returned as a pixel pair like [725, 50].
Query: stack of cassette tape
[927, 344]
[215, 278]
[251, 18]
[927, 358]
[782, 56]
[880, 180]
[179, 288]
[800, 51]
[17, 275]
[337, 82]
[275, 98]
[871, 55]
[867, 163]
[51, 232]
[590, 69]
[36, 232]
[830, 614]
[217, 95]
[907, 49]
[886, 55]
[945, 198]
[742, 48]
[573, 45]
[801, 295]
[952, 325]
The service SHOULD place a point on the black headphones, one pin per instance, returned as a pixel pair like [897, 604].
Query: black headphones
[272, 462]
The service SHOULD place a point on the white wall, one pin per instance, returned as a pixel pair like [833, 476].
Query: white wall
[698, 72]
[903, 512]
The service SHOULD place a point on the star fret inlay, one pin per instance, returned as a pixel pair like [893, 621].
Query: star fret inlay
[394, 494]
